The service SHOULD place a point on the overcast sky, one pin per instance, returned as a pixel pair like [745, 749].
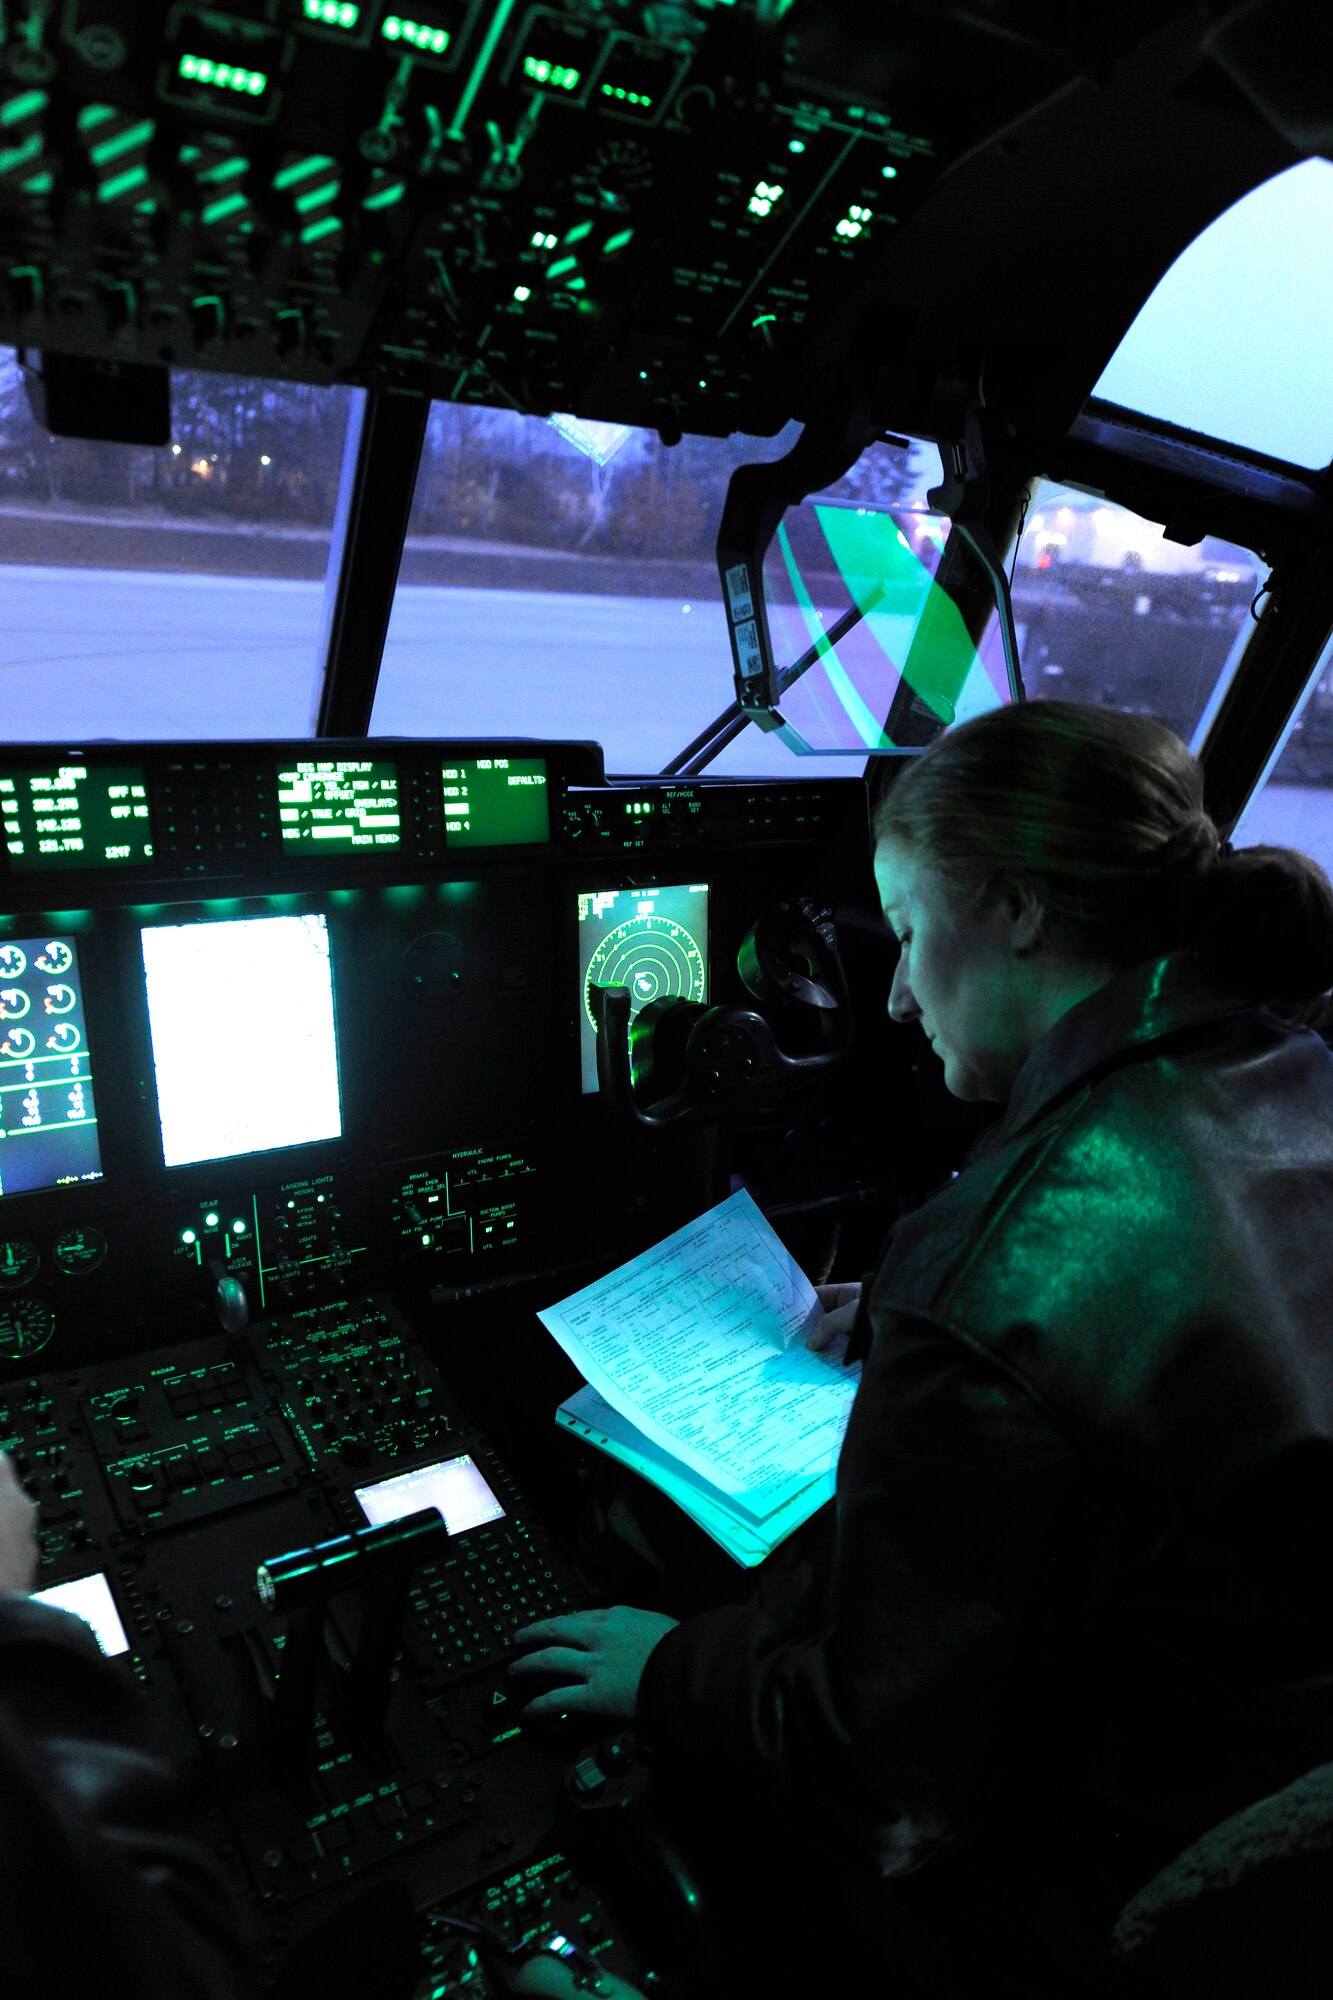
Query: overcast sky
[1237, 340]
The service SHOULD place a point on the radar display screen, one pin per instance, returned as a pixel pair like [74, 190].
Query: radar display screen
[339, 806]
[48, 1124]
[653, 941]
[495, 802]
[455, 1486]
[241, 1018]
[76, 816]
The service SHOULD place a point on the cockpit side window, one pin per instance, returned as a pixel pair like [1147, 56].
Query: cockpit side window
[1292, 804]
[1236, 342]
[1108, 610]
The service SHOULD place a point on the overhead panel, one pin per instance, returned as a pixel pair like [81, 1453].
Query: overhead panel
[636, 213]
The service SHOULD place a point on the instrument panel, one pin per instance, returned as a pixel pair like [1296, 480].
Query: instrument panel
[325, 1023]
[259, 815]
[164, 1483]
[299, 1119]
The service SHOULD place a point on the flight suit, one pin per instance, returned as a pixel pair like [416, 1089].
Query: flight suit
[101, 1890]
[1072, 1606]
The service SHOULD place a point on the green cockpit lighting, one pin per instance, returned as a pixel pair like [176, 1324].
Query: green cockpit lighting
[339, 805]
[222, 75]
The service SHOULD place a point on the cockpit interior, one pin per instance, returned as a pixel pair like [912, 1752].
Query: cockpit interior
[489, 497]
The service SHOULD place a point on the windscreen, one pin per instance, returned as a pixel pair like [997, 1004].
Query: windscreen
[241, 1018]
[48, 1123]
[134, 572]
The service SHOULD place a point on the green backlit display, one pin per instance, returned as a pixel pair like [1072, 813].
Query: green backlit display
[495, 802]
[331, 13]
[637, 77]
[227, 61]
[555, 76]
[74, 816]
[336, 806]
[223, 75]
[418, 35]
[557, 55]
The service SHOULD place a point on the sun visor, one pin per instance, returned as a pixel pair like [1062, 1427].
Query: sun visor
[861, 626]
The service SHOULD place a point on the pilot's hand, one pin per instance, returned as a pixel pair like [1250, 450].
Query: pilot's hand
[593, 1661]
[831, 1334]
[543, 1973]
[18, 1531]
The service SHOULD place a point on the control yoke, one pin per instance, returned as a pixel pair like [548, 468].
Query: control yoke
[681, 1063]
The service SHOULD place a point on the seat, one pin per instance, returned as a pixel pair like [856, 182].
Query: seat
[1245, 1912]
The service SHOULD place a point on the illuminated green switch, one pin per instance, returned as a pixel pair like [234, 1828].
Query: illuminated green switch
[555, 57]
[340, 15]
[222, 75]
[425, 32]
[232, 65]
[637, 79]
[549, 75]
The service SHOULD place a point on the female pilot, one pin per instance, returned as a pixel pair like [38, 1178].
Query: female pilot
[1073, 1608]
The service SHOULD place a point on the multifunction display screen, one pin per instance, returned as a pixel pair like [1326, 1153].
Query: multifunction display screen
[76, 816]
[48, 1126]
[337, 807]
[241, 1018]
[652, 941]
[89, 1598]
[455, 1486]
[495, 802]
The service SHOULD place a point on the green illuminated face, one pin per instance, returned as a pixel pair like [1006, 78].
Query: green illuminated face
[976, 971]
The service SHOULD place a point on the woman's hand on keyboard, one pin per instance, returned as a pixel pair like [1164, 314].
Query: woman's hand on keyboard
[592, 1660]
[553, 1976]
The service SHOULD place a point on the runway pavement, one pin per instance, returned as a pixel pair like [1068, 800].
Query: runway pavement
[86, 654]
[113, 653]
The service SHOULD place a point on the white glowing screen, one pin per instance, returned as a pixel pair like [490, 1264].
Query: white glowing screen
[455, 1486]
[241, 1016]
[89, 1598]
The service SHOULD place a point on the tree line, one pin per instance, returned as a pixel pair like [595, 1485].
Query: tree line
[271, 453]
